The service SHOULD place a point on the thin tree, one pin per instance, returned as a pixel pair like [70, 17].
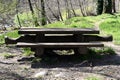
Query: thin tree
[59, 11]
[68, 15]
[81, 9]
[72, 8]
[18, 1]
[33, 14]
[43, 13]
[114, 6]
[52, 12]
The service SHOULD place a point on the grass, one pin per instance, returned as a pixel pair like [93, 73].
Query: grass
[93, 78]
[11, 34]
[7, 55]
[75, 22]
[102, 51]
[111, 26]
[27, 52]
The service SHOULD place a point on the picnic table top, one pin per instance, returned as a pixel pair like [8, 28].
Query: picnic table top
[58, 31]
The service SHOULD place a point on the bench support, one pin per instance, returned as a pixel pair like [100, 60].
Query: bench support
[39, 52]
[81, 50]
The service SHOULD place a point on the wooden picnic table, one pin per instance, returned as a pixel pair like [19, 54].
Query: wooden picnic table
[60, 38]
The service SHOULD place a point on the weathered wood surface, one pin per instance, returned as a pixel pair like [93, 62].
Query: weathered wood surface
[59, 45]
[58, 31]
[65, 38]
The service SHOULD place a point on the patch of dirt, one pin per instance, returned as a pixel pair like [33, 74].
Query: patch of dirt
[21, 67]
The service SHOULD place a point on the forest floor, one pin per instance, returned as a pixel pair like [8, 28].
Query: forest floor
[20, 67]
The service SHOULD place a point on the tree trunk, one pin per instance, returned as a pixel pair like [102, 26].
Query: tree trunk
[72, 8]
[43, 13]
[108, 6]
[59, 11]
[52, 12]
[33, 14]
[81, 9]
[67, 9]
[100, 6]
[18, 1]
[114, 7]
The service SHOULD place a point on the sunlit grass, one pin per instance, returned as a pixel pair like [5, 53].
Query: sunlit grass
[11, 34]
[111, 26]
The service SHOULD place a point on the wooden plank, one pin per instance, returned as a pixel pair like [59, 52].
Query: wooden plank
[58, 31]
[59, 45]
[61, 38]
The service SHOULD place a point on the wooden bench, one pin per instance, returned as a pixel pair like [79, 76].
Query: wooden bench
[41, 46]
[58, 38]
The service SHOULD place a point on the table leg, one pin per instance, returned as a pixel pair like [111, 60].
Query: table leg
[39, 51]
[80, 50]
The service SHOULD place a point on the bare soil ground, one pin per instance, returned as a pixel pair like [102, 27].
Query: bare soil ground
[20, 67]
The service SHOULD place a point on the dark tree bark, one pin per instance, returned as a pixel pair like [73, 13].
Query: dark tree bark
[43, 13]
[108, 6]
[33, 14]
[59, 11]
[18, 1]
[100, 6]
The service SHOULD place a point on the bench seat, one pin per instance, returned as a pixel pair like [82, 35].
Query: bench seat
[59, 45]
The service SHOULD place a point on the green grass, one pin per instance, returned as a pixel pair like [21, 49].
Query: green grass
[7, 55]
[93, 78]
[111, 26]
[27, 52]
[103, 51]
[76, 22]
[11, 34]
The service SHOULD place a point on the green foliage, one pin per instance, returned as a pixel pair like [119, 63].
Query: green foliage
[11, 34]
[76, 22]
[104, 16]
[8, 55]
[93, 78]
[79, 22]
[27, 52]
[26, 19]
[103, 51]
[58, 24]
[1, 39]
